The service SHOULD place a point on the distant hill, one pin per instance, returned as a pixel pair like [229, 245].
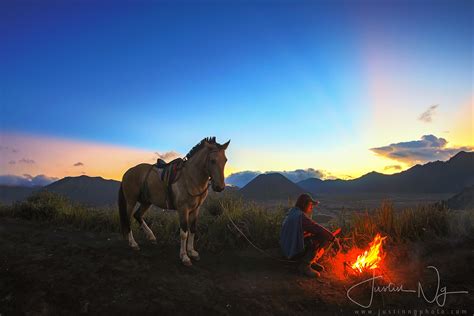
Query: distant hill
[463, 200]
[9, 194]
[92, 191]
[270, 186]
[433, 177]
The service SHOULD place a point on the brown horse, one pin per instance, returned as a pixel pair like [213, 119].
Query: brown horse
[205, 161]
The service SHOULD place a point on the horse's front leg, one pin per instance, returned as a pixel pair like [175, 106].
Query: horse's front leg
[184, 225]
[192, 253]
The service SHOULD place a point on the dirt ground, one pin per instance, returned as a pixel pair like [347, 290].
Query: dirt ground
[61, 271]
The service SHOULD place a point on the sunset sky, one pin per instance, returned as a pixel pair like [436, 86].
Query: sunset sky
[337, 88]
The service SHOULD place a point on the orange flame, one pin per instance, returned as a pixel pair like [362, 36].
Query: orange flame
[371, 258]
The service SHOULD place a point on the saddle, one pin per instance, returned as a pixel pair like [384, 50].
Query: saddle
[171, 170]
[170, 173]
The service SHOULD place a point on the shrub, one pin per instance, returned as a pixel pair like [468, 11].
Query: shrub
[42, 206]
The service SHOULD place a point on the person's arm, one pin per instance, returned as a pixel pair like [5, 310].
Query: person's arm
[312, 227]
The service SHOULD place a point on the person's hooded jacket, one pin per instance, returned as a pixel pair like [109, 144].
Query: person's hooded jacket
[293, 230]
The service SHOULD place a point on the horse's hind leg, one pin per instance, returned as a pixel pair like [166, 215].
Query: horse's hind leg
[126, 207]
[139, 216]
[192, 253]
[131, 241]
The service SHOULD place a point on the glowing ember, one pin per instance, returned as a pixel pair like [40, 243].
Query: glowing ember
[371, 258]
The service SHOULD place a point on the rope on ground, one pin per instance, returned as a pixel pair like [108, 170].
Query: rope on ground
[252, 244]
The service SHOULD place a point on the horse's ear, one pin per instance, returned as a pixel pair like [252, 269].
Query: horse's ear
[224, 146]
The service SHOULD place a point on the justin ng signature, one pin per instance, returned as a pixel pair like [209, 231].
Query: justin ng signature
[439, 297]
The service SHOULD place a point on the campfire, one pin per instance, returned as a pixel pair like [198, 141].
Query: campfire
[356, 262]
[371, 258]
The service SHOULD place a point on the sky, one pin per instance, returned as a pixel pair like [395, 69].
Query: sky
[331, 89]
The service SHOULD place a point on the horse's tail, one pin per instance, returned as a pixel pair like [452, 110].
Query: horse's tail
[124, 219]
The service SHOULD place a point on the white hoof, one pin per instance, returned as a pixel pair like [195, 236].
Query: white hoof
[186, 261]
[135, 247]
[193, 254]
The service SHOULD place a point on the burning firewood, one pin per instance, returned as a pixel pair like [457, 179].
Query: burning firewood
[370, 259]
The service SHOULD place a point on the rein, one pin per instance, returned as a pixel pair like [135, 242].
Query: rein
[199, 194]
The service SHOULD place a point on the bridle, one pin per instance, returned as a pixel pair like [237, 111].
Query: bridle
[209, 176]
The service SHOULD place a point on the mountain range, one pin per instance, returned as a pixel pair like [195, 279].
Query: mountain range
[451, 176]
[92, 191]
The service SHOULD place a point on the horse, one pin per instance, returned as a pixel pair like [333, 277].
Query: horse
[144, 184]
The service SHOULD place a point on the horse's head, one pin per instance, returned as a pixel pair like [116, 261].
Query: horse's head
[216, 161]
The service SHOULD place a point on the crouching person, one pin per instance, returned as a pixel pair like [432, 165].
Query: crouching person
[301, 237]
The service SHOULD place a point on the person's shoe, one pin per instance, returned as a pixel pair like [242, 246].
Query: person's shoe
[316, 266]
[308, 271]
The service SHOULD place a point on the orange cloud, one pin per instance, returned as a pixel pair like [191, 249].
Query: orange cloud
[56, 157]
[428, 148]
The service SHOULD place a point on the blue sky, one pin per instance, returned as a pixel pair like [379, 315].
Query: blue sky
[301, 82]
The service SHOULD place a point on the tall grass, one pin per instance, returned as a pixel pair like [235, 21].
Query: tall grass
[58, 210]
[260, 224]
[419, 223]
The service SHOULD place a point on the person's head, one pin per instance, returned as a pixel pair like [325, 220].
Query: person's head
[306, 203]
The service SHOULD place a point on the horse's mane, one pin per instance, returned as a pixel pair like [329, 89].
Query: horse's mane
[209, 140]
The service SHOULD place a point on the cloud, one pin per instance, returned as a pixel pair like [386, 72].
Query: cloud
[302, 174]
[166, 156]
[10, 149]
[395, 167]
[78, 164]
[241, 178]
[12, 162]
[428, 148]
[26, 180]
[427, 116]
[26, 160]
